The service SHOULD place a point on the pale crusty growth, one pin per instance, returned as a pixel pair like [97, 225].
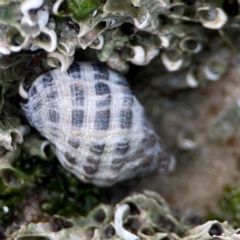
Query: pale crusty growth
[98, 129]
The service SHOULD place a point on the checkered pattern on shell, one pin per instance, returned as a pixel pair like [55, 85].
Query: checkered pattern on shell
[97, 127]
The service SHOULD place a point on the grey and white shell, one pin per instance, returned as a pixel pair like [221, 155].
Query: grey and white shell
[97, 128]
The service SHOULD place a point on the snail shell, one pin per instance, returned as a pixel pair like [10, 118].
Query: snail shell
[98, 129]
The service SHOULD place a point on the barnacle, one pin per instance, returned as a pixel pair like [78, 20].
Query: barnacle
[148, 217]
[20, 29]
[10, 137]
[59, 60]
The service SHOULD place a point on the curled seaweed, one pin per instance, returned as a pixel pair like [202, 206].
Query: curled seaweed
[139, 29]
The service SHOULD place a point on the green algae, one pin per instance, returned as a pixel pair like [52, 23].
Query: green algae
[9, 14]
[82, 8]
[79, 9]
[230, 205]
[69, 197]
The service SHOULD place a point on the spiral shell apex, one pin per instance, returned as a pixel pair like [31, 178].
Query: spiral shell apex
[97, 128]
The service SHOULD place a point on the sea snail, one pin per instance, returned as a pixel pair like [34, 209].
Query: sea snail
[97, 128]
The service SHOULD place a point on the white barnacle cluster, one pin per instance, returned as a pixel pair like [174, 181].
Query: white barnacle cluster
[110, 28]
[184, 42]
[121, 32]
[141, 216]
[138, 31]
[23, 25]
